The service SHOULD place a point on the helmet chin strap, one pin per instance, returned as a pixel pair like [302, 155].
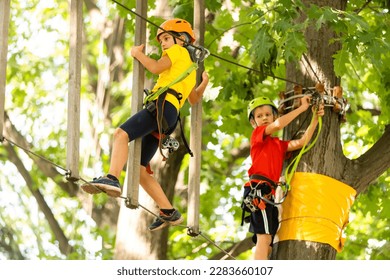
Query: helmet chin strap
[175, 35]
[174, 38]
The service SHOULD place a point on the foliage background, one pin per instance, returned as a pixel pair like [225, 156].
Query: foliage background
[258, 34]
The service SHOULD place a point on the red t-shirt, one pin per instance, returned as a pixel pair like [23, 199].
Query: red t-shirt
[267, 153]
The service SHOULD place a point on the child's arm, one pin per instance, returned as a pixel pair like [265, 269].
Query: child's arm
[304, 140]
[154, 66]
[197, 93]
[284, 120]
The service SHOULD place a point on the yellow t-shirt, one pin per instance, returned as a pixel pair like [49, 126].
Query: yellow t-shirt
[180, 60]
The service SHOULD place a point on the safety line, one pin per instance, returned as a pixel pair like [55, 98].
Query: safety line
[216, 56]
[255, 70]
[311, 67]
[35, 154]
[152, 23]
[211, 54]
[123, 197]
[189, 228]
[222, 250]
[294, 163]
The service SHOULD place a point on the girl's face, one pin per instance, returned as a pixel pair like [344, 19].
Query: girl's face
[166, 41]
[262, 115]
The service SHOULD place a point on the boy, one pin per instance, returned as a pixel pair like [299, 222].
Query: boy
[175, 60]
[267, 154]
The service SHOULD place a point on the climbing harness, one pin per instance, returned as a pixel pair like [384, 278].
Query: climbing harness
[197, 55]
[154, 95]
[256, 200]
[156, 108]
[262, 191]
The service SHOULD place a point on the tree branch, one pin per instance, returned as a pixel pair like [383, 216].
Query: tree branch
[235, 250]
[47, 169]
[9, 244]
[64, 246]
[370, 165]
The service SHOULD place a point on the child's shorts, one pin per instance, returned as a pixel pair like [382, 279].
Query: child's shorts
[143, 123]
[263, 221]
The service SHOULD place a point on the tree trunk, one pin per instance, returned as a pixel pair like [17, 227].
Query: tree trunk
[326, 157]
[302, 250]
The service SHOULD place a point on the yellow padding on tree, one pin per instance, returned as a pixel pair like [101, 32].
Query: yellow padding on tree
[316, 209]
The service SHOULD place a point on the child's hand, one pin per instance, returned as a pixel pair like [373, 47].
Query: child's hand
[205, 76]
[320, 111]
[305, 102]
[137, 50]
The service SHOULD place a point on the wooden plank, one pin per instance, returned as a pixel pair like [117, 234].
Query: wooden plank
[133, 162]
[4, 25]
[73, 126]
[196, 133]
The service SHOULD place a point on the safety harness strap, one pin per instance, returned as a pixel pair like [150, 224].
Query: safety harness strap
[263, 178]
[184, 138]
[156, 108]
[182, 76]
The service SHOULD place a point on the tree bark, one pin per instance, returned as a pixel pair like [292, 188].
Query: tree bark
[302, 250]
[326, 157]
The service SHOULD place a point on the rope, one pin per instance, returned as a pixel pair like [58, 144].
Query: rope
[329, 101]
[35, 154]
[122, 197]
[200, 48]
[189, 229]
[303, 150]
[294, 163]
[179, 78]
[222, 250]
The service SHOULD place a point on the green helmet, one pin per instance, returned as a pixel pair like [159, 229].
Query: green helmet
[260, 101]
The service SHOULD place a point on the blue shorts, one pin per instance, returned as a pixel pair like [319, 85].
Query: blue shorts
[143, 123]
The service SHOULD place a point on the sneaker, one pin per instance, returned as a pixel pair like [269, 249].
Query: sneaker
[103, 184]
[163, 221]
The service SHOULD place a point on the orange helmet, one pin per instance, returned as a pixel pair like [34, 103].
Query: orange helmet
[176, 25]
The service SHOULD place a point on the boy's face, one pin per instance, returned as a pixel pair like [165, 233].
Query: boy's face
[166, 40]
[262, 115]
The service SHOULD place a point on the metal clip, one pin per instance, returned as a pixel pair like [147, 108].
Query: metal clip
[197, 53]
[170, 143]
[316, 100]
